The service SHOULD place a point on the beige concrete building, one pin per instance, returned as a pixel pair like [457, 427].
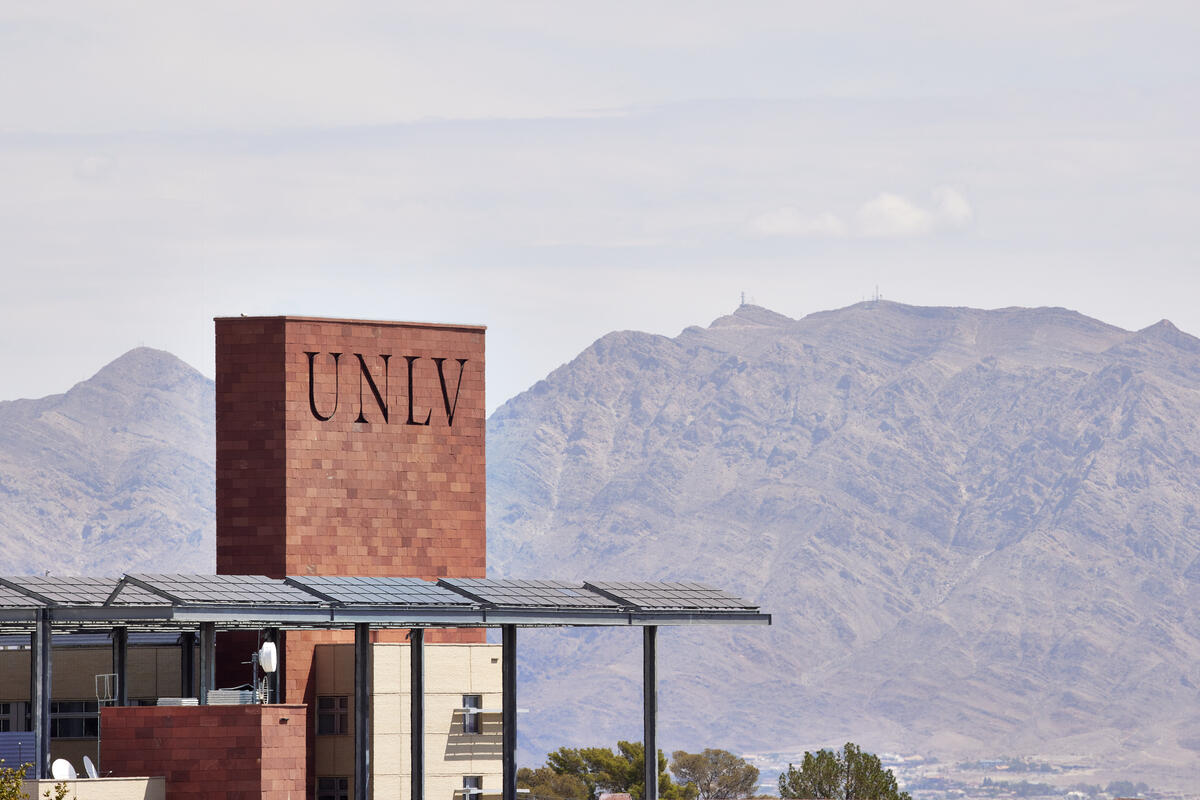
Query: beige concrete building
[462, 747]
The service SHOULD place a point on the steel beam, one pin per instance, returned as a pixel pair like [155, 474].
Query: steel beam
[650, 709]
[508, 717]
[187, 664]
[40, 672]
[416, 689]
[362, 711]
[208, 659]
[120, 659]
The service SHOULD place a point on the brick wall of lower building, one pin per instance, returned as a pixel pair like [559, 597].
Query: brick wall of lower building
[209, 751]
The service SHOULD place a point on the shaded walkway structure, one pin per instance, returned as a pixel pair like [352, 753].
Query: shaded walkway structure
[200, 605]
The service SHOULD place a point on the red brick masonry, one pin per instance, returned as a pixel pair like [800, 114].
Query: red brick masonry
[209, 751]
[353, 494]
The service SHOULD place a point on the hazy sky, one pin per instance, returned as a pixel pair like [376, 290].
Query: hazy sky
[559, 170]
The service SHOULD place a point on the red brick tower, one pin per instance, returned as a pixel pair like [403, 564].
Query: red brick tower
[347, 447]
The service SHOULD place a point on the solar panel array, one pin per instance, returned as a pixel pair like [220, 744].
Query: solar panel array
[240, 589]
[11, 598]
[388, 596]
[82, 590]
[528, 593]
[669, 596]
[379, 591]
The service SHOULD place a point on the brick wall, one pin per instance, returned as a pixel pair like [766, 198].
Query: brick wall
[209, 751]
[353, 494]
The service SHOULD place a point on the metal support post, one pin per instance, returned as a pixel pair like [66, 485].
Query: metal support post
[416, 688]
[508, 718]
[650, 709]
[187, 664]
[41, 673]
[271, 681]
[208, 658]
[362, 711]
[120, 661]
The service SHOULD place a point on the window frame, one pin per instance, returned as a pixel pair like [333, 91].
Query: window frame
[472, 722]
[333, 719]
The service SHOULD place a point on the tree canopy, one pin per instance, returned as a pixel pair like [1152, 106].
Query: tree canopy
[716, 774]
[847, 775]
[602, 770]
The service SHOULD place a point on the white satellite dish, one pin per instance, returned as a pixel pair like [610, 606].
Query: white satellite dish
[61, 770]
[90, 768]
[268, 657]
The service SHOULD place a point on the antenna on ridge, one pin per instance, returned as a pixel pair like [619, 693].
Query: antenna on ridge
[743, 298]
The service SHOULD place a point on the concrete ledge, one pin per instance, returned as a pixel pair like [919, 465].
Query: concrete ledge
[102, 788]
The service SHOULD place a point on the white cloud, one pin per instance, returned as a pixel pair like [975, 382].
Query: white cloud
[885, 215]
[790, 221]
[891, 215]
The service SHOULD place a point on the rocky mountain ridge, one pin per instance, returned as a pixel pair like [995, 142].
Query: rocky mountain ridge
[976, 530]
[116, 475]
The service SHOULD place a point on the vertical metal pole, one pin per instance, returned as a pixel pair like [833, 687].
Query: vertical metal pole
[208, 657]
[187, 664]
[508, 718]
[271, 681]
[120, 658]
[650, 709]
[362, 711]
[40, 650]
[416, 688]
[281, 671]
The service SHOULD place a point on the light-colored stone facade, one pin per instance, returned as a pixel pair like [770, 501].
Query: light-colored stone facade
[451, 671]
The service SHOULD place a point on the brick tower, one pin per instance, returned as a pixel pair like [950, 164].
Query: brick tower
[347, 447]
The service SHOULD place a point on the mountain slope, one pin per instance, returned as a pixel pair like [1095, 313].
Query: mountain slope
[977, 530]
[114, 476]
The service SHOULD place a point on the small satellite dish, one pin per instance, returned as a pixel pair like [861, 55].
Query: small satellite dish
[90, 768]
[268, 657]
[61, 770]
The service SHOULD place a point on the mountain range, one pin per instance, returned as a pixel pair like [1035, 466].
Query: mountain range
[114, 476]
[976, 531]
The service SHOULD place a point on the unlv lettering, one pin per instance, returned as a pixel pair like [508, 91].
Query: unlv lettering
[369, 380]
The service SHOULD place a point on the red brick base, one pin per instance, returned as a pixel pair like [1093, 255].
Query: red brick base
[209, 751]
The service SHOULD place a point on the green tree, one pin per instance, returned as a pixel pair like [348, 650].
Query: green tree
[716, 774]
[11, 780]
[544, 782]
[847, 775]
[602, 770]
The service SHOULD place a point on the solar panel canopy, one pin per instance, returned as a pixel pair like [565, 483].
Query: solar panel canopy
[353, 590]
[529, 593]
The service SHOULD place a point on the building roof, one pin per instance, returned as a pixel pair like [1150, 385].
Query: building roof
[172, 602]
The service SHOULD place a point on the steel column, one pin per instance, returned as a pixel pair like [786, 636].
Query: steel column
[416, 689]
[40, 672]
[362, 711]
[120, 659]
[650, 709]
[187, 664]
[208, 658]
[271, 681]
[508, 717]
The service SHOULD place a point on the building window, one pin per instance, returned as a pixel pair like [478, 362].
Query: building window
[472, 786]
[73, 719]
[333, 715]
[13, 717]
[471, 717]
[333, 789]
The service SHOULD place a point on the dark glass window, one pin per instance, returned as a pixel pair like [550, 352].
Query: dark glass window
[472, 719]
[333, 789]
[333, 715]
[73, 719]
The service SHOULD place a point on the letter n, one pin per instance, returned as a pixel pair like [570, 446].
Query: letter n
[363, 372]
